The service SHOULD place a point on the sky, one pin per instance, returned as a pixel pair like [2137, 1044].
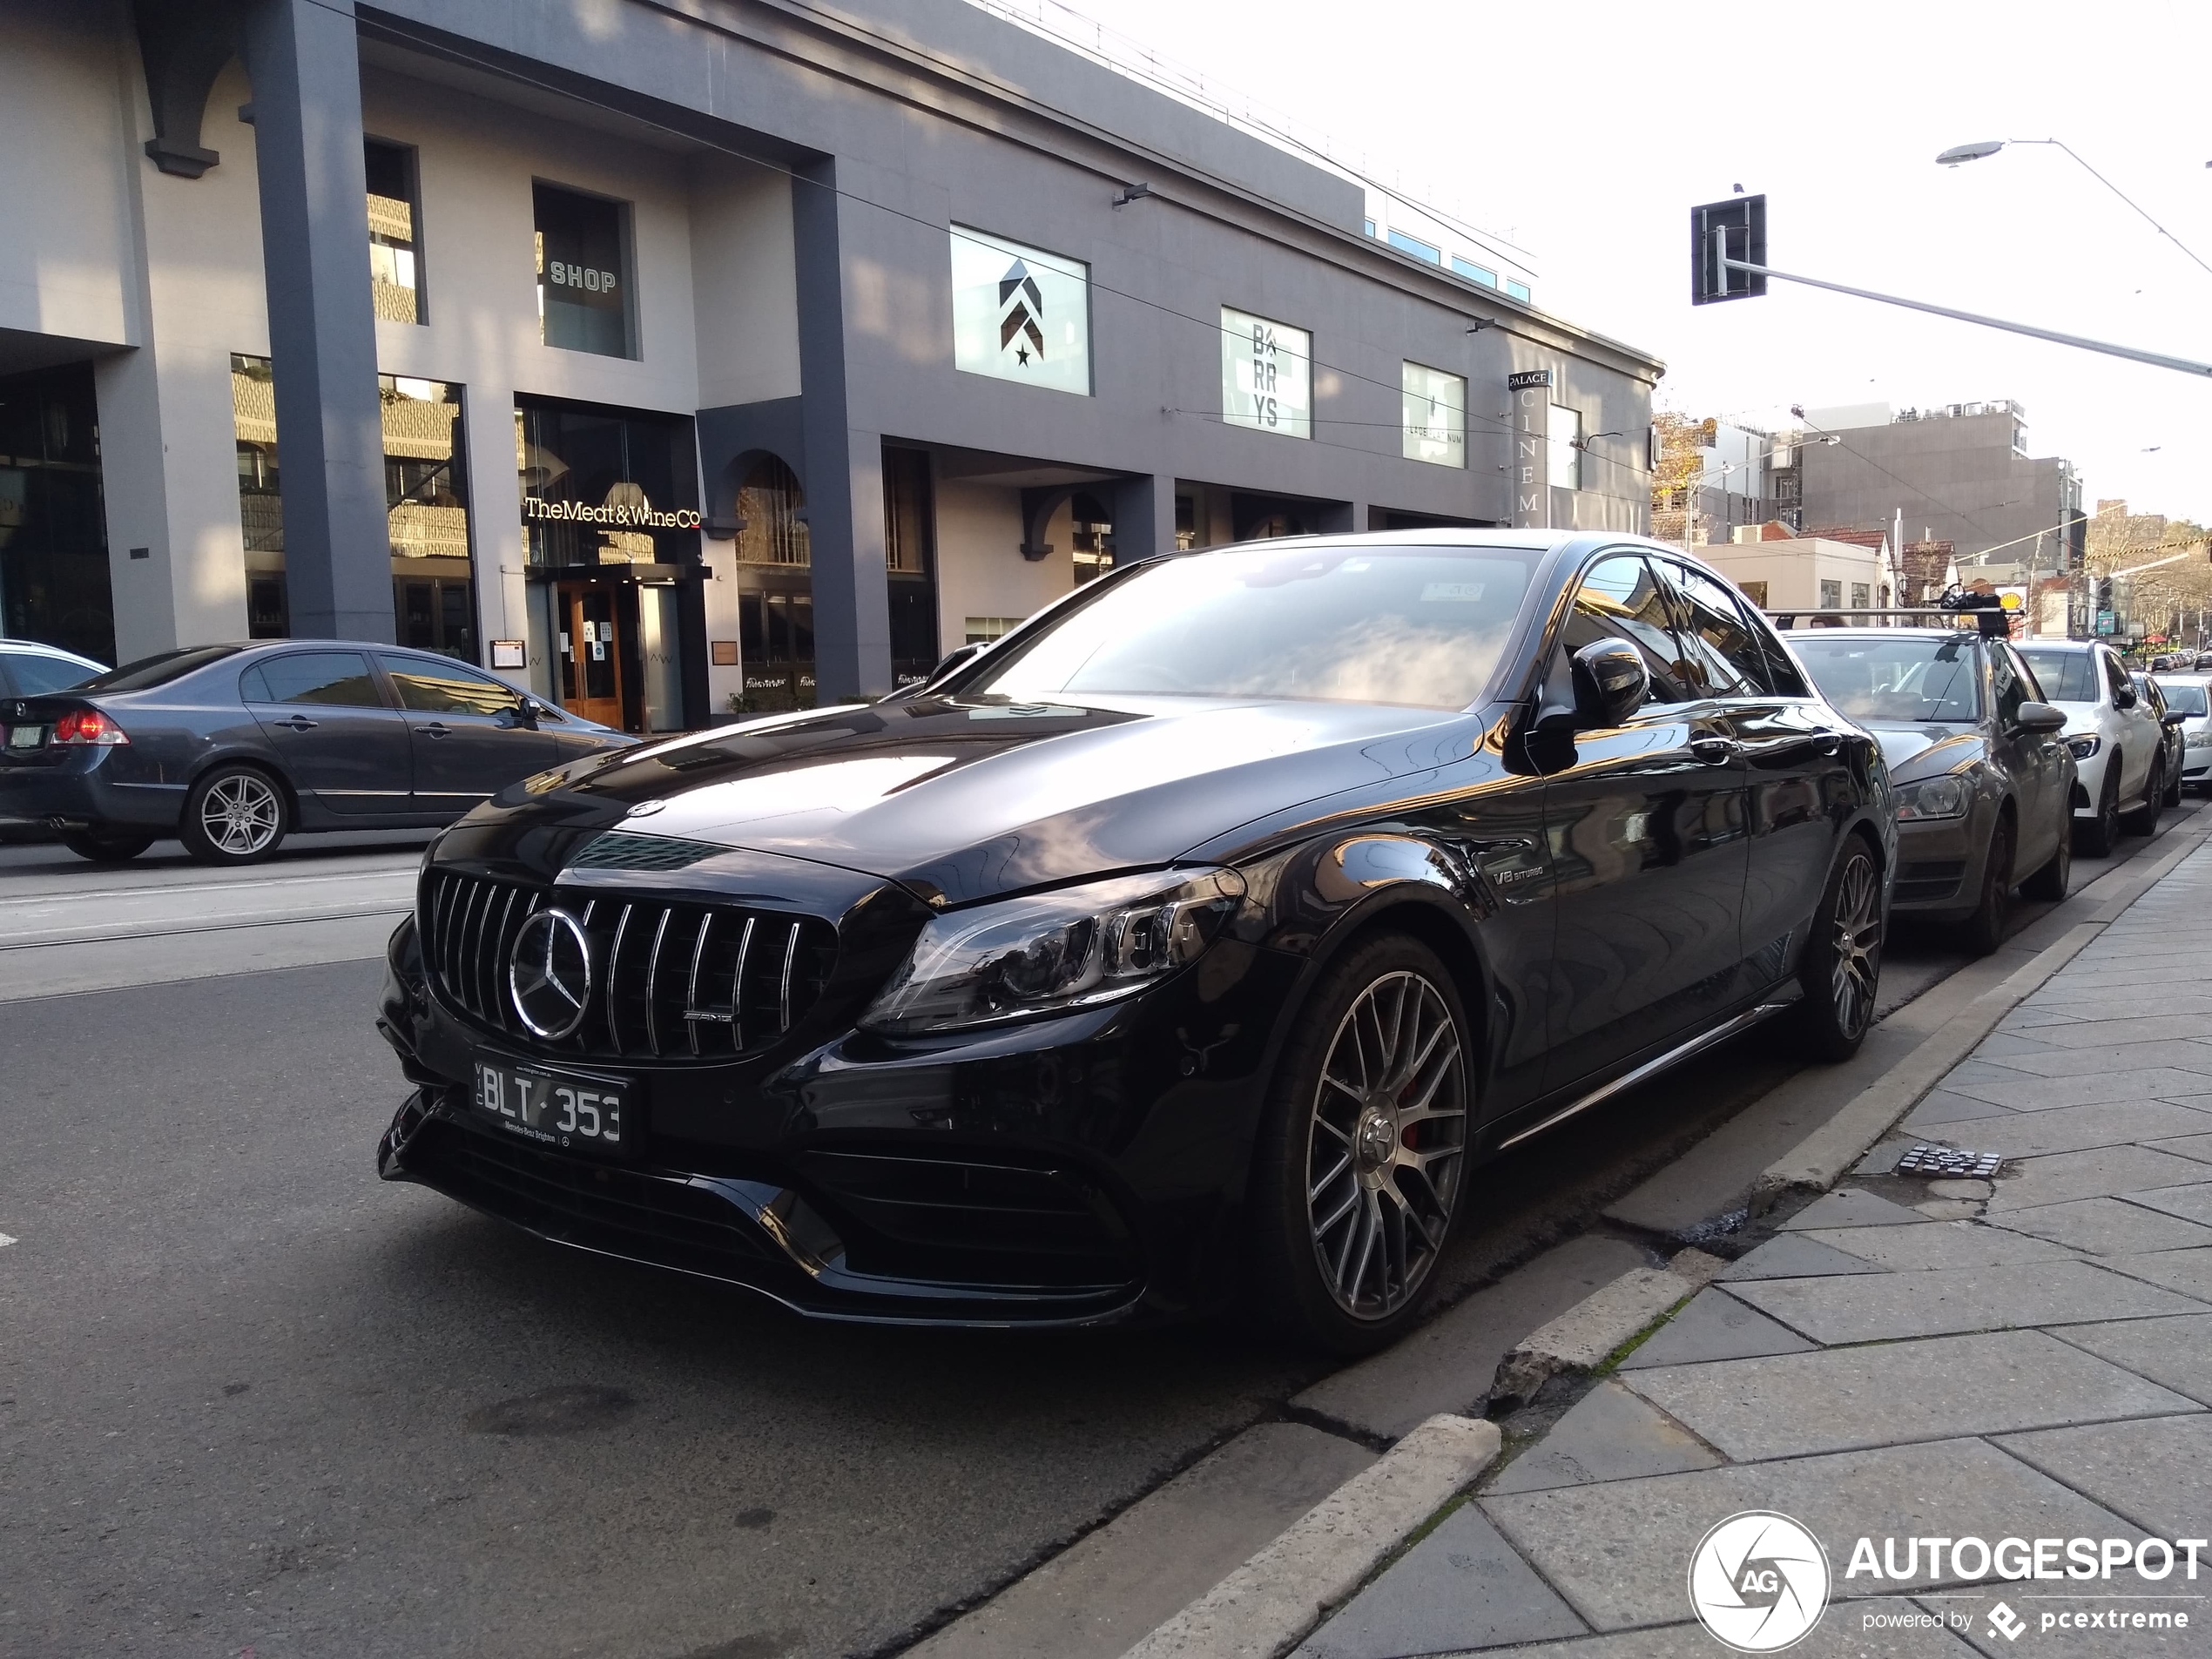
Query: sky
[1587, 131]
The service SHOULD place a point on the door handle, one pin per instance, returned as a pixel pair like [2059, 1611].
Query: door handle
[436, 729]
[1715, 752]
[1826, 744]
[296, 722]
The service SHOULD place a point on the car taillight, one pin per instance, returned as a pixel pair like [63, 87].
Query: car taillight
[87, 726]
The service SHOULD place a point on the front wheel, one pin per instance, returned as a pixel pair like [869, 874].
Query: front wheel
[2051, 882]
[1986, 928]
[1843, 960]
[234, 815]
[105, 847]
[1363, 1153]
[2096, 837]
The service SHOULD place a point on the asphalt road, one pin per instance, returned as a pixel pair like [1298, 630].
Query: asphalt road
[251, 1398]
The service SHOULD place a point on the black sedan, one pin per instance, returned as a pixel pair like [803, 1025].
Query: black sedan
[1984, 781]
[232, 747]
[1180, 952]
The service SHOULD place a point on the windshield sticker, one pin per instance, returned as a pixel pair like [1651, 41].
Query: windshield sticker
[1461, 591]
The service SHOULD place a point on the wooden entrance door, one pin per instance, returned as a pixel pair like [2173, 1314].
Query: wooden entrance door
[590, 652]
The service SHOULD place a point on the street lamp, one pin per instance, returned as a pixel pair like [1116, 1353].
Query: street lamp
[1960, 154]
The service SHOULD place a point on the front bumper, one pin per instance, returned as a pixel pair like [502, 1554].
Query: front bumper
[1078, 1171]
[1939, 864]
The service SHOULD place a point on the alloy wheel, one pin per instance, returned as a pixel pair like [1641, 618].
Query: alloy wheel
[241, 815]
[1386, 1144]
[1858, 964]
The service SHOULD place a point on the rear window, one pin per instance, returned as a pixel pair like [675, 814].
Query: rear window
[150, 672]
[1907, 678]
[2184, 699]
[2065, 675]
[36, 674]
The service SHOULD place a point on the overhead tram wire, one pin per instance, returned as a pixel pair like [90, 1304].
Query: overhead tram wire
[1493, 425]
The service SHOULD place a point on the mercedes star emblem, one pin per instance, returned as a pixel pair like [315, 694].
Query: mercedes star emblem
[549, 973]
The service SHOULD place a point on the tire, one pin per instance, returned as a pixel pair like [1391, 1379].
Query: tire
[2096, 838]
[2144, 819]
[2174, 789]
[1842, 969]
[2049, 884]
[106, 847]
[1986, 928]
[234, 815]
[1354, 1196]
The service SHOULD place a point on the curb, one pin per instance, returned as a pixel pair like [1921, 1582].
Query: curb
[1580, 1339]
[1825, 1157]
[1267, 1606]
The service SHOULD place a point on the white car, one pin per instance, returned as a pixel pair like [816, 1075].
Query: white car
[29, 669]
[2190, 697]
[2117, 740]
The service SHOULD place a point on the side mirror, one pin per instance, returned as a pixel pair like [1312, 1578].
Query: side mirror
[2039, 716]
[2173, 717]
[2124, 697]
[521, 714]
[1610, 682]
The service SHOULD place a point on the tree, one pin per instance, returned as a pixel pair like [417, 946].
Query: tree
[1683, 441]
[2173, 597]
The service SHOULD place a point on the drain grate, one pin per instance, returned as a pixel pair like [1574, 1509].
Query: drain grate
[1951, 1162]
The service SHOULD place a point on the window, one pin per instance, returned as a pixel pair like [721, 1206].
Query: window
[980, 631]
[1092, 534]
[1020, 313]
[1371, 226]
[2009, 684]
[1755, 591]
[1832, 595]
[583, 271]
[1517, 291]
[1266, 374]
[1435, 409]
[1860, 600]
[603, 488]
[1718, 646]
[773, 507]
[336, 678]
[1475, 272]
[2116, 676]
[2065, 675]
[1913, 677]
[2181, 697]
[36, 673]
[1620, 598]
[1566, 447]
[909, 525]
[1414, 246]
[395, 253]
[163, 668]
[446, 688]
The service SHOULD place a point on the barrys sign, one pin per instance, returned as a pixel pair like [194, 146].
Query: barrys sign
[635, 516]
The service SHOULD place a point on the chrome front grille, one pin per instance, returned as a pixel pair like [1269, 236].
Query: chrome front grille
[670, 979]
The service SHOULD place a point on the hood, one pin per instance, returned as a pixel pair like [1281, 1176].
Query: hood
[1915, 750]
[962, 800]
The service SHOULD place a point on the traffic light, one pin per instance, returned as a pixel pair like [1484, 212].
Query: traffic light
[1737, 226]
[2104, 594]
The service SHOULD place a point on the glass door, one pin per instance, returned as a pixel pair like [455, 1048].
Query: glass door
[589, 653]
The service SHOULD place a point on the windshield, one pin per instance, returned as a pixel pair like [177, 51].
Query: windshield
[2183, 699]
[1416, 625]
[150, 672]
[2065, 675]
[1894, 679]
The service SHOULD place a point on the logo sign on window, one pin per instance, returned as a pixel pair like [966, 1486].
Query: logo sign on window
[1434, 405]
[561, 274]
[1266, 374]
[1020, 313]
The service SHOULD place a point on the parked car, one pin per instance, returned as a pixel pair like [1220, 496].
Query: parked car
[1181, 952]
[27, 668]
[2189, 696]
[2118, 743]
[2172, 748]
[2203, 661]
[234, 747]
[1983, 783]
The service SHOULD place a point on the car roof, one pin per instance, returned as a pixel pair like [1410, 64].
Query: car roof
[37, 648]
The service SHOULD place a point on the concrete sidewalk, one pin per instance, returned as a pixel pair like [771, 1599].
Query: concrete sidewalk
[1907, 1356]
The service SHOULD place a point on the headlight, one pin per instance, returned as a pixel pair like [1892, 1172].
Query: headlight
[1937, 797]
[2085, 745]
[1051, 952]
[2200, 739]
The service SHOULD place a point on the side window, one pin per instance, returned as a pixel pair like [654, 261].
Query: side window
[436, 687]
[2005, 680]
[2031, 687]
[1718, 645]
[324, 677]
[1620, 598]
[2116, 676]
[35, 674]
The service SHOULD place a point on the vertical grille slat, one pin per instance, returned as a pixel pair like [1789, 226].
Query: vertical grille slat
[656, 964]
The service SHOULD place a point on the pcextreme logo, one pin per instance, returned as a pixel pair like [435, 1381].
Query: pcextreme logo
[1759, 1582]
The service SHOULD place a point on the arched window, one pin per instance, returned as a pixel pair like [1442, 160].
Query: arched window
[770, 501]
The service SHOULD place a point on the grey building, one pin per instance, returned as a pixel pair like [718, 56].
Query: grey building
[1959, 474]
[667, 358]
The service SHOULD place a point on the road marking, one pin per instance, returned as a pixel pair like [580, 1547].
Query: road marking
[5, 1241]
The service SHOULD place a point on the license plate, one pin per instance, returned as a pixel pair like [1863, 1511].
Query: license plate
[26, 737]
[557, 1109]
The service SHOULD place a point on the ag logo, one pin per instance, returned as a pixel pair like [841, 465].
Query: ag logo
[1759, 1582]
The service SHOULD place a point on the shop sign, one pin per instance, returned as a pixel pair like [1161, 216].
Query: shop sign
[638, 515]
[1266, 374]
[1434, 406]
[1020, 313]
[1532, 415]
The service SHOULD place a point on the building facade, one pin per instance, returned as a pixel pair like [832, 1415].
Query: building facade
[674, 359]
[1959, 474]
